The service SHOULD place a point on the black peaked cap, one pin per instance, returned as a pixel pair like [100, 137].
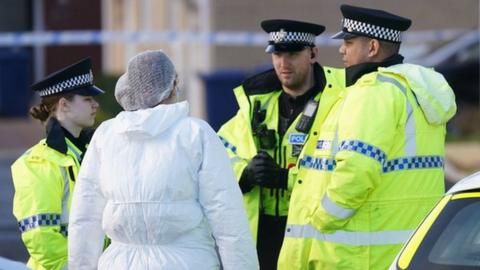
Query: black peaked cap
[76, 77]
[292, 26]
[290, 35]
[375, 23]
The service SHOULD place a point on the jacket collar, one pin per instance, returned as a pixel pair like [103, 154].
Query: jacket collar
[56, 136]
[317, 87]
[355, 72]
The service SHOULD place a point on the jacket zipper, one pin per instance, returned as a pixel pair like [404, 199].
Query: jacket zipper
[280, 163]
[284, 166]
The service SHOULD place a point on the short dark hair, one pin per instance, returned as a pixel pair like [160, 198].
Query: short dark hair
[389, 48]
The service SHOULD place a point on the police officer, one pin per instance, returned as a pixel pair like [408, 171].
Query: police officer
[376, 168]
[44, 176]
[266, 136]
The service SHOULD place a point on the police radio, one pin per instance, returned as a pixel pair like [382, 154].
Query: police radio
[308, 115]
[266, 137]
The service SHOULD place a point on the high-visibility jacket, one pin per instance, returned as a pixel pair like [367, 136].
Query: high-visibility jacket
[242, 146]
[44, 178]
[372, 174]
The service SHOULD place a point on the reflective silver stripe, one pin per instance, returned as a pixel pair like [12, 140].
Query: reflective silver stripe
[75, 152]
[267, 102]
[349, 238]
[335, 144]
[27, 152]
[410, 144]
[234, 160]
[66, 195]
[335, 138]
[336, 210]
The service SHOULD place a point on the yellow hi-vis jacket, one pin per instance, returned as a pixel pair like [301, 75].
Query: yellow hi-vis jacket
[44, 178]
[241, 145]
[373, 173]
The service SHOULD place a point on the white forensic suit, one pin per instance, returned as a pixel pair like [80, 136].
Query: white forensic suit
[159, 184]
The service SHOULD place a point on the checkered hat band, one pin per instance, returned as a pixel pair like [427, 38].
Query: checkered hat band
[372, 30]
[292, 37]
[77, 81]
[39, 220]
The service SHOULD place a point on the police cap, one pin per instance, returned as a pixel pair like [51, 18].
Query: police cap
[289, 35]
[77, 77]
[374, 23]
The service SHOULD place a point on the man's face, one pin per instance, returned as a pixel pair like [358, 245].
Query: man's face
[355, 51]
[293, 68]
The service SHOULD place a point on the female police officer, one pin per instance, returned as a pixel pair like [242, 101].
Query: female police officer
[44, 176]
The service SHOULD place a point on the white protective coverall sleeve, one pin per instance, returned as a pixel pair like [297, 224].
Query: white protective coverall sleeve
[221, 200]
[86, 214]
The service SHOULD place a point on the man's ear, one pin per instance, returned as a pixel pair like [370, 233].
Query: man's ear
[373, 48]
[313, 55]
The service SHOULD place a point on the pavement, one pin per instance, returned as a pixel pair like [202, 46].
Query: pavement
[6, 264]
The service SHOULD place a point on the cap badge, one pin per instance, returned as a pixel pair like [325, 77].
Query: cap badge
[282, 34]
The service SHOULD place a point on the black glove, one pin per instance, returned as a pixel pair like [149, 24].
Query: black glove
[247, 182]
[265, 172]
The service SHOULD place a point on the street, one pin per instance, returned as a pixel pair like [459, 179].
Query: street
[11, 245]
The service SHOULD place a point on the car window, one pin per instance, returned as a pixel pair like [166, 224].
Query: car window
[459, 242]
[453, 241]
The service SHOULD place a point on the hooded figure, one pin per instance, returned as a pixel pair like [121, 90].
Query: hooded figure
[158, 183]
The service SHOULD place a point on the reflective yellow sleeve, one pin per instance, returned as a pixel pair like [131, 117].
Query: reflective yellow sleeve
[238, 141]
[232, 136]
[366, 128]
[37, 206]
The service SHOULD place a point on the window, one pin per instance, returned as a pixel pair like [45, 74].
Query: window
[459, 242]
[453, 241]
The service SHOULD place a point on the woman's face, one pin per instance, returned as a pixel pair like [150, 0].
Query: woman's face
[80, 111]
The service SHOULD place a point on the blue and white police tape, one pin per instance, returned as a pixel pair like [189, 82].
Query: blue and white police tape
[224, 38]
